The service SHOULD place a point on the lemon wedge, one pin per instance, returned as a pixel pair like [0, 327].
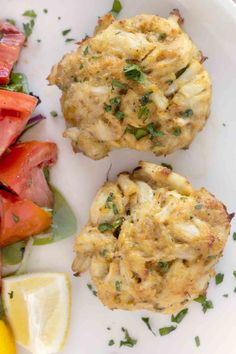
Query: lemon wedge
[7, 343]
[38, 310]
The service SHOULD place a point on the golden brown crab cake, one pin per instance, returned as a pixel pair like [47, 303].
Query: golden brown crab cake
[152, 240]
[137, 83]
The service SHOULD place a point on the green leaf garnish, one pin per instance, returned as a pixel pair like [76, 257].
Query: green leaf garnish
[181, 71]
[86, 51]
[234, 236]
[143, 112]
[153, 131]
[111, 342]
[146, 98]
[162, 36]
[146, 320]
[119, 115]
[18, 83]
[166, 330]
[116, 8]
[219, 278]
[66, 31]
[140, 133]
[69, 40]
[180, 316]
[64, 222]
[186, 114]
[177, 131]
[11, 21]
[30, 13]
[206, 304]
[234, 273]
[105, 227]
[115, 101]
[164, 266]
[90, 287]
[107, 107]
[28, 28]
[226, 295]
[45, 11]
[2, 311]
[134, 72]
[54, 114]
[128, 341]
[197, 341]
[119, 85]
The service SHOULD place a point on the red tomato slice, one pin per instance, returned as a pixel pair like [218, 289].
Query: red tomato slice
[20, 218]
[15, 110]
[11, 42]
[21, 170]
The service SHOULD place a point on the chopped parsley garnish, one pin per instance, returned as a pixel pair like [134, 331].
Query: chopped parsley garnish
[2, 311]
[119, 85]
[153, 131]
[91, 289]
[110, 204]
[45, 11]
[54, 114]
[226, 295]
[180, 316]
[39, 40]
[11, 294]
[177, 131]
[111, 342]
[134, 72]
[28, 28]
[235, 289]
[128, 341]
[219, 278]
[234, 236]
[110, 227]
[180, 72]
[18, 83]
[198, 206]
[107, 107]
[115, 101]
[30, 13]
[116, 8]
[146, 320]
[197, 341]
[146, 98]
[234, 273]
[206, 304]
[169, 82]
[164, 266]
[166, 330]
[15, 218]
[118, 285]
[120, 115]
[11, 21]
[143, 112]
[162, 36]
[115, 210]
[66, 31]
[140, 133]
[167, 165]
[69, 40]
[186, 114]
[86, 51]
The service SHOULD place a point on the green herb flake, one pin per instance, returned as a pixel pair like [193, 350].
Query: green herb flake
[177, 131]
[11, 294]
[169, 82]
[2, 311]
[225, 295]
[166, 330]
[119, 115]
[105, 227]
[146, 320]
[68, 40]
[114, 209]
[181, 71]
[39, 40]
[116, 8]
[145, 99]
[219, 278]
[188, 113]
[197, 341]
[30, 13]
[167, 165]
[119, 85]
[28, 28]
[143, 112]
[162, 36]
[66, 31]
[54, 114]
[128, 340]
[118, 285]
[111, 342]
[18, 83]
[134, 72]
[86, 51]
[234, 236]
[164, 266]
[109, 200]
[15, 218]
[234, 273]
[107, 107]
[45, 11]
[180, 316]
[11, 21]
[153, 131]
[115, 101]
[235, 289]
[206, 304]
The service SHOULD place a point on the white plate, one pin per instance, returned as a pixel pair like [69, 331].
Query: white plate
[210, 162]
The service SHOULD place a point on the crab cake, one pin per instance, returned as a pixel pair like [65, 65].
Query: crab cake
[137, 83]
[152, 240]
